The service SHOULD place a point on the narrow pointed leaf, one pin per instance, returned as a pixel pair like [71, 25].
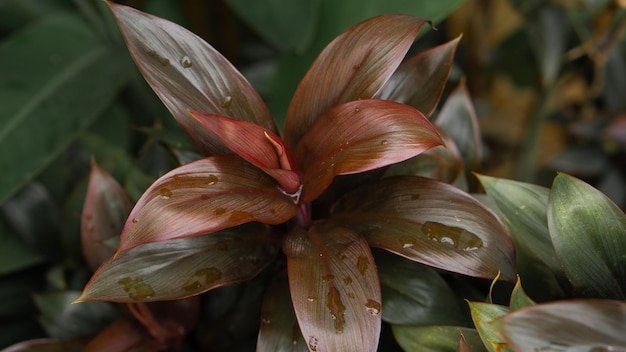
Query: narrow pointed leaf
[187, 73]
[183, 267]
[205, 196]
[430, 222]
[420, 80]
[106, 208]
[257, 145]
[334, 288]
[578, 325]
[359, 136]
[519, 299]
[589, 235]
[483, 315]
[435, 338]
[463, 346]
[353, 66]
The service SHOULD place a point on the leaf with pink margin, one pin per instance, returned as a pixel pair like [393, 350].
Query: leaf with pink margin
[205, 196]
[106, 208]
[419, 81]
[257, 145]
[355, 65]
[334, 287]
[360, 136]
[432, 223]
[183, 267]
[187, 73]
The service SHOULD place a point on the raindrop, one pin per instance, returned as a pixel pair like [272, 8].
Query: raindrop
[362, 264]
[162, 60]
[407, 241]
[384, 142]
[457, 218]
[212, 179]
[357, 110]
[137, 290]
[185, 61]
[372, 307]
[313, 343]
[455, 237]
[347, 280]
[266, 318]
[337, 308]
[311, 298]
[165, 193]
[227, 101]
[135, 220]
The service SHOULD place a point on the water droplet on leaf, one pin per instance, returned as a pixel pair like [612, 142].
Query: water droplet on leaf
[311, 298]
[202, 279]
[185, 61]
[384, 142]
[237, 216]
[407, 241]
[137, 290]
[313, 343]
[212, 179]
[135, 220]
[227, 101]
[165, 193]
[347, 280]
[454, 237]
[362, 264]
[266, 318]
[219, 211]
[336, 307]
[372, 307]
[162, 60]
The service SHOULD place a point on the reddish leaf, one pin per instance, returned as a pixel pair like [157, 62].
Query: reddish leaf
[359, 136]
[205, 196]
[334, 288]
[355, 65]
[187, 73]
[463, 346]
[106, 207]
[49, 345]
[122, 336]
[420, 80]
[184, 267]
[430, 222]
[257, 145]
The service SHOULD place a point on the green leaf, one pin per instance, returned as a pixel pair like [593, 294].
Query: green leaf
[289, 25]
[15, 254]
[547, 31]
[334, 287]
[181, 268]
[574, 325]
[483, 315]
[588, 230]
[414, 294]
[187, 73]
[224, 189]
[435, 338]
[48, 104]
[519, 299]
[432, 223]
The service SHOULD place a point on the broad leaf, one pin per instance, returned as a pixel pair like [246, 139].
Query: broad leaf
[353, 66]
[435, 338]
[359, 136]
[205, 196]
[576, 325]
[257, 145]
[483, 315]
[122, 336]
[334, 288]
[420, 80]
[50, 345]
[106, 208]
[187, 73]
[432, 223]
[415, 294]
[589, 236]
[182, 267]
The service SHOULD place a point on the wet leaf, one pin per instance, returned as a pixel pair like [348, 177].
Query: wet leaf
[105, 210]
[205, 196]
[355, 65]
[415, 294]
[123, 336]
[588, 230]
[483, 315]
[420, 79]
[50, 345]
[279, 329]
[435, 338]
[574, 325]
[183, 267]
[334, 288]
[432, 223]
[359, 136]
[187, 73]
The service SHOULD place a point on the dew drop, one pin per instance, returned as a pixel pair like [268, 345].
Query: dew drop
[454, 237]
[136, 289]
[212, 179]
[384, 142]
[313, 343]
[311, 298]
[457, 219]
[162, 60]
[347, 280]
[227, 101]
[185, 61]
[165, 193]
[357, 109]
[362, 264]
[266, 318]
[337, 308]
[135, 220]
[372, 307]
[407, 241]
[202, 279]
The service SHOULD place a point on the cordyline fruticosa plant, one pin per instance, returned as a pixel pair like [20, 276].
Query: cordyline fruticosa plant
[224, 218]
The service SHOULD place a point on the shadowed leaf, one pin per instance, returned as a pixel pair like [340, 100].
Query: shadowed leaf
[105, 210]
[588, 231]
[334, 288]
[359, 136]
[435, 338]
[183, 267]
[355, 65]
[50, 345]
[187, 73]
[420, 79]
[483, 314]
[123, 336]
[432, 223]
[205, 196]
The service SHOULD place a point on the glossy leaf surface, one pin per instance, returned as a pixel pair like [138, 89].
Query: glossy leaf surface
[334, 288]
[483, 314]
[359, 136]
[435, 338]
[575, 325]
[589, 236]
[420, 79]
[432, 223]
[205, 196]
[355, 65]
[187, 73]
[182, 267]
[106, 208]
